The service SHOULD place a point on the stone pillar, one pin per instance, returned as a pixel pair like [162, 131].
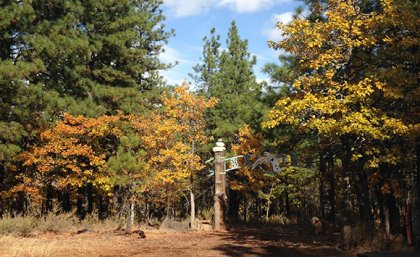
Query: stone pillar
[220, 198]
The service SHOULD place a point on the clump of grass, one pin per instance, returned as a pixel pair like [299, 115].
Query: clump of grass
[66, 222]
[55, 223]
[19, 225]
[93, 223]
[277, 220]
[207, 214]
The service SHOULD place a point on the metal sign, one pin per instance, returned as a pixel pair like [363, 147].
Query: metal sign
[265, 160]
[232, 163]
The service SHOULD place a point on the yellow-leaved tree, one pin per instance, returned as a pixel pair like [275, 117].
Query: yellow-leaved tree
[357, 82]
[171, 139]
[245, 182]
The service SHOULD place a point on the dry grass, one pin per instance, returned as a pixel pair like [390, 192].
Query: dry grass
[18, 226]
[62, 223]
[46, 246]
[11, 246]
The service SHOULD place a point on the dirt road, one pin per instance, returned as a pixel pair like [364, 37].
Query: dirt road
[238, 243]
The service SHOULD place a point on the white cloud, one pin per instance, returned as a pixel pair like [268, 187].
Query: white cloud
[286, 17]
[172, 55]
[173, 77]
[183, 8]
[177, 74]
[266, 79]
[274, 33]
[242, 6]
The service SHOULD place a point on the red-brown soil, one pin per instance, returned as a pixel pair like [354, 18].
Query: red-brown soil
[238, 242]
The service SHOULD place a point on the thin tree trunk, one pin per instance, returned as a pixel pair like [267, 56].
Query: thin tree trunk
[322, 171]
[287, 204]
[331, 181]
[2, 175]
[168, 205]
[245, 209]
[387, 225]
[132, 211]
[269, 202]
[129, 216]
[192, 203]
[192, 198]
[89, 197]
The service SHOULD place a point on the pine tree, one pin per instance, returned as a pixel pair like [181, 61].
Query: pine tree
[100, 56]
[81, 57]
[206, 72]
[229, 77]
[20, 102]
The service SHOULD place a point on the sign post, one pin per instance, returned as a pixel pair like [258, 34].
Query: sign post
[220, 198]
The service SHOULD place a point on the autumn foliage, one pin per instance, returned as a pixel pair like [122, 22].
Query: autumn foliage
[131, 155]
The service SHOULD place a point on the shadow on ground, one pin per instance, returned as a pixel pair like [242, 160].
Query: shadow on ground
[279, 242]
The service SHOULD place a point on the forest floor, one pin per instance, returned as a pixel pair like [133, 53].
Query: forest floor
[237, 242]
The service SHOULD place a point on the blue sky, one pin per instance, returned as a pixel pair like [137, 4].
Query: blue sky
[193, 19]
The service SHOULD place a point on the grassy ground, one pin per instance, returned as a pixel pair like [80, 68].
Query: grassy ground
[239, 242]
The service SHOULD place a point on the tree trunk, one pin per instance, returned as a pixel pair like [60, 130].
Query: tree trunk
[387, 226]
[362, 194]
[360, 183]
[192, 198]
[322, 172]
[168, 205]
[245, 209]
[103, 207]
[287, 204]
[89, 197]
[65, 201]
[192, 203]
[2, 175]
[82, 202]
[233, 206]
[130, 215]
[331, 180]
[48, 201]
[269, 202]
[416, 196]
[394, 214]
[132, 212]
[418, 164]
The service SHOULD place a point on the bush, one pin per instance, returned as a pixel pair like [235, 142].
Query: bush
[19, 225]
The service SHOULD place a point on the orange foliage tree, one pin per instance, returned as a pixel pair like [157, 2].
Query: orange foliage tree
[171, 138]
[71, 155]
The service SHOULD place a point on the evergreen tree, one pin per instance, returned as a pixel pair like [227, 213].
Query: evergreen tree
[100, 56]
[206, 72]
[82, 57]
[229, 77]
[20, 102]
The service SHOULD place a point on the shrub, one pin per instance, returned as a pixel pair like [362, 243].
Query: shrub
[19, 225]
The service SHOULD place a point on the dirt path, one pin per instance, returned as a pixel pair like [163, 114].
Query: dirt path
[238, 243]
